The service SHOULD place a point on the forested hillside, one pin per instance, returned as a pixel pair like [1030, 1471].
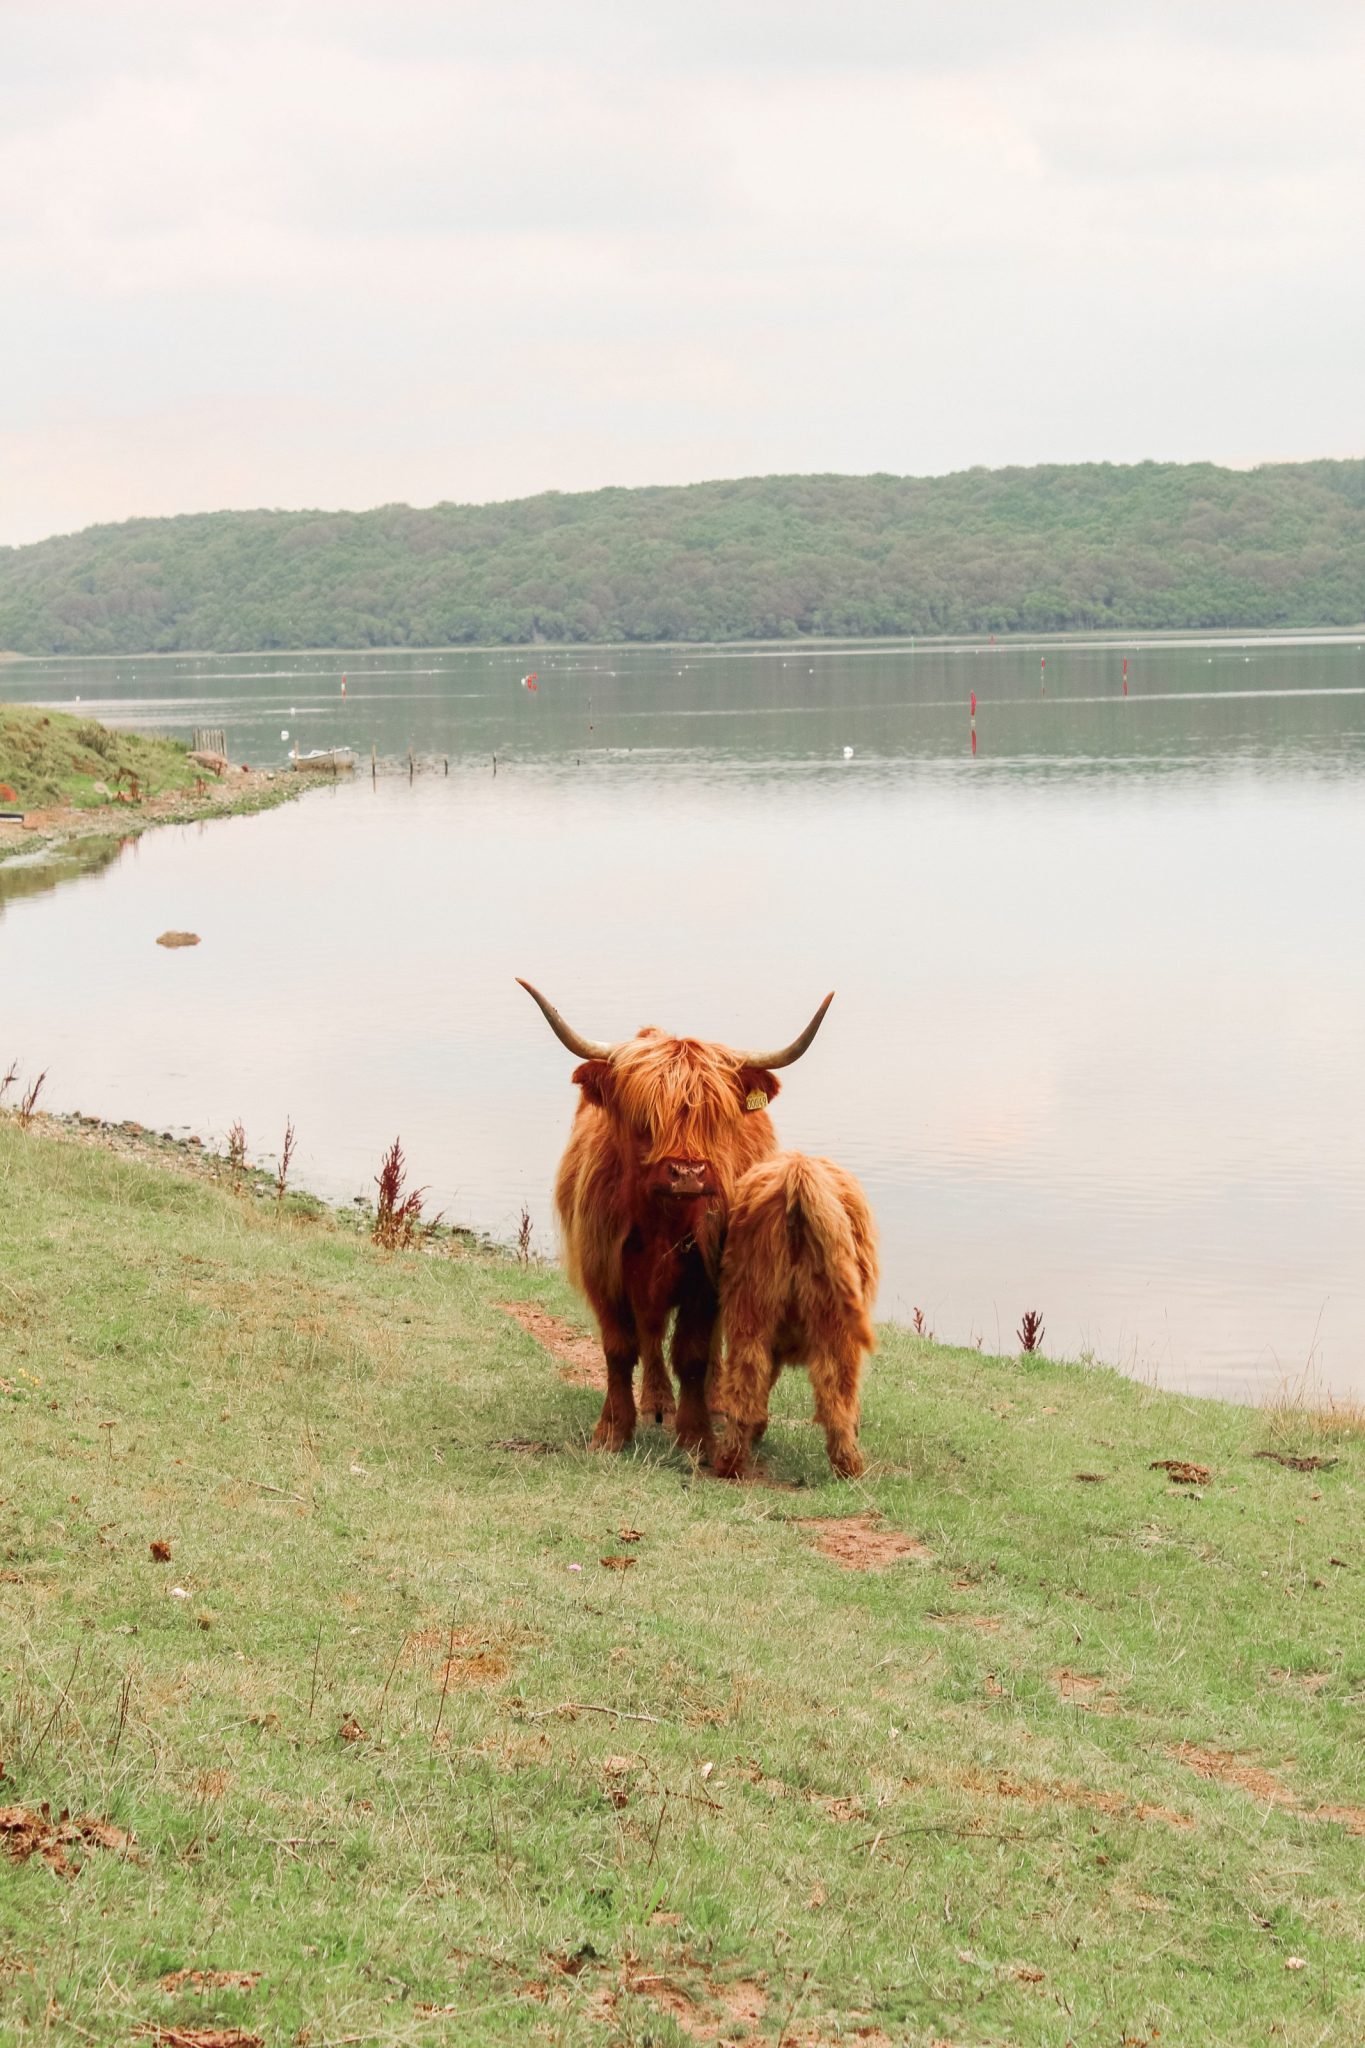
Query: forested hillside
[1092, 545]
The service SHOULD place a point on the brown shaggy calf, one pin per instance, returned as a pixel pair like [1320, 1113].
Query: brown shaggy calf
[797, 1281]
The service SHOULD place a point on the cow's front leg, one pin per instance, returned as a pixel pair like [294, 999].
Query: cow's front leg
[696, 1343]
[616, 1423]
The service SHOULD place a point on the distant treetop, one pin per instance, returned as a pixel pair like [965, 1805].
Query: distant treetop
[1088, 545]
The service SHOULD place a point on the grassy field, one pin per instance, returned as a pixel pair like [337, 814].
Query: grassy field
[433, 1726]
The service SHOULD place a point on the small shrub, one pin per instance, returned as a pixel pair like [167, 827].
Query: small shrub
[524, 1236]
[8, 1081]
[236, 1151]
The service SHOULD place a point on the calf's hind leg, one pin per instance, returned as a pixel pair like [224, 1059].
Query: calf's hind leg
[835, 1376]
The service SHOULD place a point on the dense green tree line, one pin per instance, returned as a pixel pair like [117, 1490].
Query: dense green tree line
[1085, 546]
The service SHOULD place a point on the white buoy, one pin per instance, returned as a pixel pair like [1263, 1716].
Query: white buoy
[284, 735]
[848, 753]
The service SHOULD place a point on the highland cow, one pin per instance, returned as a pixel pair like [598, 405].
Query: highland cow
[797, 1282]
[664, 1129]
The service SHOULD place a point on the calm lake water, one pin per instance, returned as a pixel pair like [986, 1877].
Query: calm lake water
[1099, 1040]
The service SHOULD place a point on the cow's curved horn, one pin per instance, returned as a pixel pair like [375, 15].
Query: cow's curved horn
[785, 1056]
[586, 1048]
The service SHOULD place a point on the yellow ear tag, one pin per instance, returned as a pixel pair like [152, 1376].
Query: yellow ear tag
[755, 1099]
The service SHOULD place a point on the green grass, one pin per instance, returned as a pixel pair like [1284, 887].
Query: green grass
[907, 1833]
[48, 757]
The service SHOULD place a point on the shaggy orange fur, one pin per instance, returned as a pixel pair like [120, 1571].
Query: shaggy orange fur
[797, 1283]
[661, 1136]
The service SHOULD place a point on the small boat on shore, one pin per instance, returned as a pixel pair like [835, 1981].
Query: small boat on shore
[325, 761]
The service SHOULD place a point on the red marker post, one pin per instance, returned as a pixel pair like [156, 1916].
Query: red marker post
[1125, 675]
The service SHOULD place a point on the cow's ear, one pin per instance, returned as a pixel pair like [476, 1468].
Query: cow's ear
[757, 1087]
[594, 1078]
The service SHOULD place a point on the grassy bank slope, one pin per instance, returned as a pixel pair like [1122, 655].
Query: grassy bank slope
[1084, 545]
[85, 790]
[1081, 1766]
[49, 757]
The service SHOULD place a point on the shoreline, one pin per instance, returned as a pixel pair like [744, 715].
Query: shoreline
[128, 1139]
[809, 643]
[51, 830]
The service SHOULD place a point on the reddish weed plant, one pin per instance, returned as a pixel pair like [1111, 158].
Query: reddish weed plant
[1030, 1331]
[8, 1080]
[237, 1148]
[524, 1236]
[398, 1216]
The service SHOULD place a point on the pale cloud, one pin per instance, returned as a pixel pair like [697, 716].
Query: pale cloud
[299, 254]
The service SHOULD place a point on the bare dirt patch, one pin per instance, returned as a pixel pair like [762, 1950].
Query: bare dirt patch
[1079, 1691]
[26, 1833]
[843, 1810]
[1310, 1682]
[1225, 1767]
[485, 1667]
[211, 1980]
[1059, 1792]
[860, 1543]
[171, 2036]
[579, 1357]
[462, 1656]
[1311, 1463]
[1181, 1472]
[960, 1618]
[815, 2036]
[706, 2011]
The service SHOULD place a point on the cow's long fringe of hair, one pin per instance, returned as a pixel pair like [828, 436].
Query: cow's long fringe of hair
[676, 1097]
[683, 1093]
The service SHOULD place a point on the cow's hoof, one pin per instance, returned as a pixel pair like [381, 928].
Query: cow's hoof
[847, 1460]
[609, 1436]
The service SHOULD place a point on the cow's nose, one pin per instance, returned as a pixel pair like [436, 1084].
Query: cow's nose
[687, 1175]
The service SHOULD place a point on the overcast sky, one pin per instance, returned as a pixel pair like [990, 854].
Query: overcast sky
[343, 254]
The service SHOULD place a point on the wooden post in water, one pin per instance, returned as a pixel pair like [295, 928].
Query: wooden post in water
[372, 765]
[410, 761]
